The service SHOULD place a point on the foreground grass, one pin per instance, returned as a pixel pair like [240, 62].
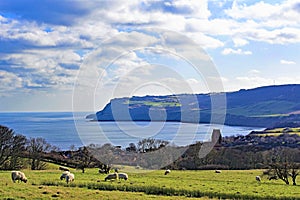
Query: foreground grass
[58, 192]
[143, 184]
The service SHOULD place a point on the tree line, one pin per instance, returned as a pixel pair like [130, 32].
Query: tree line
[13, 147]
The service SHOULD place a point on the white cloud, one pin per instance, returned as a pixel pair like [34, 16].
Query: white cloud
[272, 23]
[205, 41]
[255, 78]
[228, 51]
[287, 62]
[9, 82]
[259, 10]
[42, 54]
[238, 42]
[283, 13]
[254, 72]
[194, 8]
[278, 36]
[220, 26]
[45, 68]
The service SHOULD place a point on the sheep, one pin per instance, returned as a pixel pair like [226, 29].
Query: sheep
[123, 176]
[70, 177]
[17, 175]
[63, 168]
[167, 171]
[112, 176]
[64, 175]
[218, 171]
[258, 178]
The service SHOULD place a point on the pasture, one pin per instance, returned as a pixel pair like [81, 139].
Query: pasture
[143, 184]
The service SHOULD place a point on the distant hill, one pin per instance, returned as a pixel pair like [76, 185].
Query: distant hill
[269, 106]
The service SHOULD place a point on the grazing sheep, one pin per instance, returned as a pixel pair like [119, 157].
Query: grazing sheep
[63, 168]
[112, 176]
[123, 176]
[70, 177]
[19, 176]
[64, 175]
[218, 171]
[258, 178]
[167, 171]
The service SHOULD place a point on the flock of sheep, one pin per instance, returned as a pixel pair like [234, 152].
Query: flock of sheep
[70, 177]
[67, 175]
[20, 176]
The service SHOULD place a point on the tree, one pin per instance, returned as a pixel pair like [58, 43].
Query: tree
[294, 172]
[18, 147]
[11, 146]
[36, 147]
[283, 165]
[84, 157]
[131, 148]
[151, 144]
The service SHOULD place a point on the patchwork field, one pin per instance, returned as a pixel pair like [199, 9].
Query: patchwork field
[279, 131]
[142, 184]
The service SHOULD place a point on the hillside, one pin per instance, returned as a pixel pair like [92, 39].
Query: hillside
[270, 106]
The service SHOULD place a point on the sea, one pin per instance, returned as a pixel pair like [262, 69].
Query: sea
[67, 130]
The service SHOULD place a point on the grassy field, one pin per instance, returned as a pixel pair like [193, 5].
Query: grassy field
[144, 184]
[156, 104]
[279, 131]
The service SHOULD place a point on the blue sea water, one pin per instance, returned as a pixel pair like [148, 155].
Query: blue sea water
[64, 129]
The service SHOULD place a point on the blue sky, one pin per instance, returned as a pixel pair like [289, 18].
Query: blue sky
[46, 49]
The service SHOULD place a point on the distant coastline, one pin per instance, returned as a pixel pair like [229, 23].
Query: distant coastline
[266, 107]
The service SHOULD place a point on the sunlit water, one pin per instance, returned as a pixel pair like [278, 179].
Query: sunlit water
[64, 129]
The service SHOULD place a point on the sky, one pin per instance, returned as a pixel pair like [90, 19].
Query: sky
[63, 55]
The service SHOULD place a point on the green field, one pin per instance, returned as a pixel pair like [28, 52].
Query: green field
[142, 184]
[155, 104]
[279, 131]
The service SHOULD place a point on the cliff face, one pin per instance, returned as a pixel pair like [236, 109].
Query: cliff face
[264, 107]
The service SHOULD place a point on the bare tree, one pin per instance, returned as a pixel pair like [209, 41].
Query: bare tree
[151, 144]
[36, 147]
[11, 146]
[295, 170]
[283, 165]
[84, 157]
[18, 147]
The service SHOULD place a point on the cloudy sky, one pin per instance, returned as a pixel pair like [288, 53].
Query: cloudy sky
[47, 49]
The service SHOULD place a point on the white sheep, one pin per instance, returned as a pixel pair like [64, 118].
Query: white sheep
[112, 176]
[258, 178]
[167, 171]
[19, 176]
[64, 175]
[70, 177]
[123, 176]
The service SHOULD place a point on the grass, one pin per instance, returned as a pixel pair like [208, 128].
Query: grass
[144, 184]
[262, 109]
[275, 134]
[155, 104]
[279, 131]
